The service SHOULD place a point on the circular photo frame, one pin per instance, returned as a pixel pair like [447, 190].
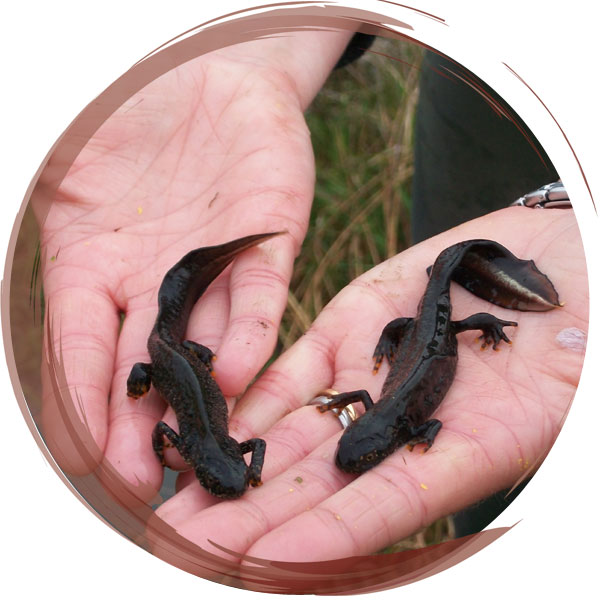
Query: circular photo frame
[271, 188]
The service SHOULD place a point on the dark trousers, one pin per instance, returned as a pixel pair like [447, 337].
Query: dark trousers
[469, 160]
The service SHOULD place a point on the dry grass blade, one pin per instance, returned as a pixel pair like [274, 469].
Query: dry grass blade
[362, 131]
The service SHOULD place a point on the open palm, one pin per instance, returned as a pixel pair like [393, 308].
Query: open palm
[209, 152]
[500, 416]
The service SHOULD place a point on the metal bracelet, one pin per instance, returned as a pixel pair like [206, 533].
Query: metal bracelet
[552, 195]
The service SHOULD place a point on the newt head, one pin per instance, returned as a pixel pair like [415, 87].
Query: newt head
[222, 480]
[365, 444]
[220, 469]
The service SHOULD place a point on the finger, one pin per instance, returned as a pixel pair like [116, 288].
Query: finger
[290, 382]
[208, 323]
[83, 327]
[131, 421]
[397, 498]
[208, 320]
[259, 282]
[288, 442]
[483, 447]
[405, 492]
[328, 355]
[237, 524]
[190, 498]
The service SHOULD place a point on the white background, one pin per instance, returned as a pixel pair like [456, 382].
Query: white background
[58, 56]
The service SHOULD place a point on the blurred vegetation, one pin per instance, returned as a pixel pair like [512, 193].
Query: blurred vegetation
[362, 128]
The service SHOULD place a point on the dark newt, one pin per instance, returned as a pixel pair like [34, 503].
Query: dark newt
[422, 351]
[181, 371]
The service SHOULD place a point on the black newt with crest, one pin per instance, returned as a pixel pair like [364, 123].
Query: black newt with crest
[181, 371]
[422, 351]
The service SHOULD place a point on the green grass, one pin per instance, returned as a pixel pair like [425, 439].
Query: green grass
[362, 127]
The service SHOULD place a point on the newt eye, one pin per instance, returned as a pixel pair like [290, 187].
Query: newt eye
[370, 456]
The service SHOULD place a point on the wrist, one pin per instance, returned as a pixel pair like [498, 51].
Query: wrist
[304, 59]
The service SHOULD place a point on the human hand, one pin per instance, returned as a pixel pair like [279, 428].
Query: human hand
[211, 151]
[499, 418]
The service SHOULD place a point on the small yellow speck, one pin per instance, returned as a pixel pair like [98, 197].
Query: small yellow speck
[87, 243]
[139, 210]
[474, 430]
[424, 486]
[337, 517]
[299, 479]
[291, 490]
[52, 258]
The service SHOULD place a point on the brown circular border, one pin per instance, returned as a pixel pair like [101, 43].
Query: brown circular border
[113, 502]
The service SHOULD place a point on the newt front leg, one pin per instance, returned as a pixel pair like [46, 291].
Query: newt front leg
[139, 380]
[202, 353]
[342, 400]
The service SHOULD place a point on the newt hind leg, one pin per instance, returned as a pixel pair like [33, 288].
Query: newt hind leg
[425, 434]
[139, 380]
[491, 326]
[160, 432]
[257, 447]
[204, 354]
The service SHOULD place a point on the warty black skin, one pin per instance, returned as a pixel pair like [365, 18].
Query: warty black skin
[422, 351]
[181, 372]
